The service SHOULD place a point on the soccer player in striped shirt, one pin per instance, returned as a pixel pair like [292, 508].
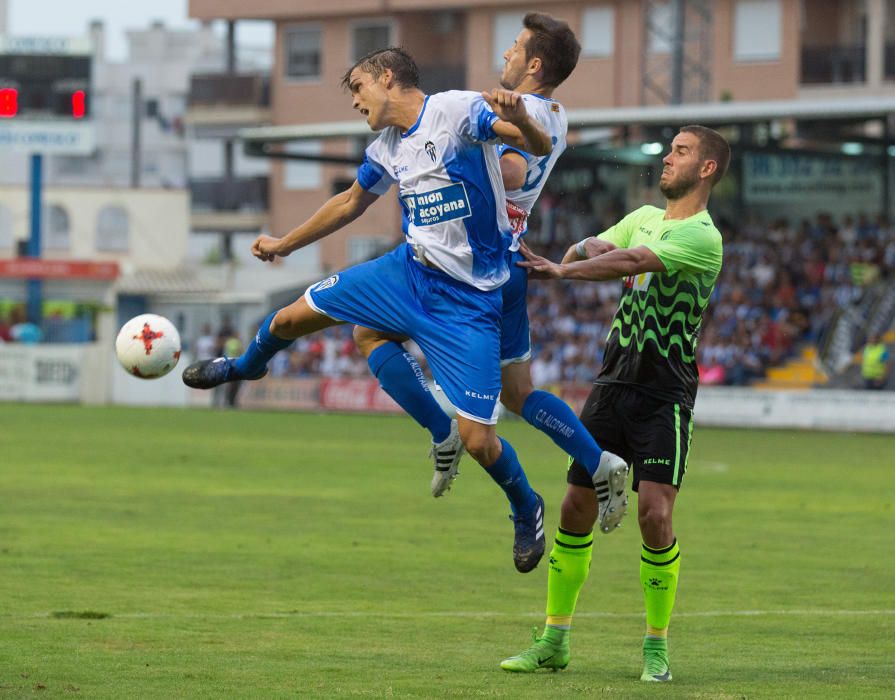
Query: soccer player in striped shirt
[642, 401]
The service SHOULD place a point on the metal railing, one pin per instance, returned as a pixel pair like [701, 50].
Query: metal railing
[238, 194]
[239, 90]
[889, 62]
[439, 78]
[839, 63]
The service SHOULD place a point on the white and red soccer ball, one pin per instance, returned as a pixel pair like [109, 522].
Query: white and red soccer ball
[148, 346]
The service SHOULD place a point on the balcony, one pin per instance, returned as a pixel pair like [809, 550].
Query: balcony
[221, 99]
[889, 62]
[240, 204]
[833, 65]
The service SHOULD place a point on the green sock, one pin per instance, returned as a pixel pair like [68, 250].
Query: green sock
[659, 570]
[569, 566]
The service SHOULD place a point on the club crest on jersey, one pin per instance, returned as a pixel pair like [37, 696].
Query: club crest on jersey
[430, 149]
[437, 206]
[326, 284]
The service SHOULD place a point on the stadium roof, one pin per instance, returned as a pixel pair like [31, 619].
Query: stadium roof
[714, 113]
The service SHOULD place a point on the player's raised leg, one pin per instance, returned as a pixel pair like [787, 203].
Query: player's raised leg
[401, 377]
[462, 345]
[499, 460]
[276, 332]
[556, 419]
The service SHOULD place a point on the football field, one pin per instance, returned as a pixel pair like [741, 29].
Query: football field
[152, 553]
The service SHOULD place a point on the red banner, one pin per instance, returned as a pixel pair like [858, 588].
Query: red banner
[281, 392]
[38, 268]
[355, 395]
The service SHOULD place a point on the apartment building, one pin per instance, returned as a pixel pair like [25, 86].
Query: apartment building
[635, 53]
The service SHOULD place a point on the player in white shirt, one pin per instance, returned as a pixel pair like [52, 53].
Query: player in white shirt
[442, 286]
[542, 56]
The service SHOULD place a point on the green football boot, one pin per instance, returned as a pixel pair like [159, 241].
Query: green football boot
[543, 653]
[655, 660]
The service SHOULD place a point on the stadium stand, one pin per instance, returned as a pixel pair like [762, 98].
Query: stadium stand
[784, 289]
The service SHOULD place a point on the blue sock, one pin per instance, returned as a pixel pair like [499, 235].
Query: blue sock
[509, 475]
[258, 353]
[553, 417]
[401, 377]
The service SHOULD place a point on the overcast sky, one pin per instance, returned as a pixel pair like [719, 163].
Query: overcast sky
[71, 17]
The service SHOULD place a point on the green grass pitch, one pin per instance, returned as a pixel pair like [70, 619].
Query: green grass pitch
[188, 554]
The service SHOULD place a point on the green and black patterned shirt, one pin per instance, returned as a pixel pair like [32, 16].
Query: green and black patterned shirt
[652, 341]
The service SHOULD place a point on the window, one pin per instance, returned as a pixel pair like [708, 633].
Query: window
[507, 26]
[598, 31]
[6, 227]
[56, 228]
[206, 157]
[112, 229]
[303, 174]
[302, 45]
[756, 30]
[369, 36]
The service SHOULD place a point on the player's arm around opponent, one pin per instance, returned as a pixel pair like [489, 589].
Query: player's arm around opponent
[610, 265]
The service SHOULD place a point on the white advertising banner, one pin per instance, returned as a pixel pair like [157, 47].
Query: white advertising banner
[60, 45]
[49, 137]
[41, 372]
[820, 409]
[785, 177]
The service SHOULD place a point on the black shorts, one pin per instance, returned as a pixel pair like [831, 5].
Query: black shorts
[652, 435]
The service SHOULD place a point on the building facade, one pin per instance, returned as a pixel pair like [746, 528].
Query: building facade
[634, 52]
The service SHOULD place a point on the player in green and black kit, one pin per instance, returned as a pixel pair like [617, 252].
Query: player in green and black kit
[642, 402]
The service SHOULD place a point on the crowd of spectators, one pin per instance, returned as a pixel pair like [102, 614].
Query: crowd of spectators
[779, 287]
[15, 328]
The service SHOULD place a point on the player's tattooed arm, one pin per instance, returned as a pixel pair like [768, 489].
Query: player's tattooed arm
[338, 211]
[590, 247]
[621, 262]
[515, 126]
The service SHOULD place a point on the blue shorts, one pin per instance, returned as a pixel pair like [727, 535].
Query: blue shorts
[456, 326]
[515, 338]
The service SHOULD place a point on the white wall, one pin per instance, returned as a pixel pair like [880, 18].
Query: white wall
[158, 223]
[821, 409]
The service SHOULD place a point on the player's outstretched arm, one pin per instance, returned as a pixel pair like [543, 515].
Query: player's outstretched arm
[515, 126]
[588, 248]
[621, 262]
[338, 211]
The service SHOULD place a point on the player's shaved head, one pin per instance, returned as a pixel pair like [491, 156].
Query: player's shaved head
[397, 60]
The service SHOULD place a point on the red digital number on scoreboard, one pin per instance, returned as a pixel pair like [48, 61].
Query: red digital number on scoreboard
[9, 102]
[78, 104]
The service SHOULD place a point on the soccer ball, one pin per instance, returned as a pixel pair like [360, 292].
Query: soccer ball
[148, 346]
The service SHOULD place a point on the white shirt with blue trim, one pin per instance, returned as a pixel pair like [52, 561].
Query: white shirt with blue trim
[551, 115]
[449, 185]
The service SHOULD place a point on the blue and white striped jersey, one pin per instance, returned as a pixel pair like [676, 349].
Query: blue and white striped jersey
[449, 184]
[551, 115]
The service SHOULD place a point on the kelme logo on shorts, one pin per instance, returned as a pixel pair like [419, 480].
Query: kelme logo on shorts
[437, 206]
[326, 284]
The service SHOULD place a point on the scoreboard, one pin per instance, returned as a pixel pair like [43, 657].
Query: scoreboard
[34, 86]
[45, 91]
